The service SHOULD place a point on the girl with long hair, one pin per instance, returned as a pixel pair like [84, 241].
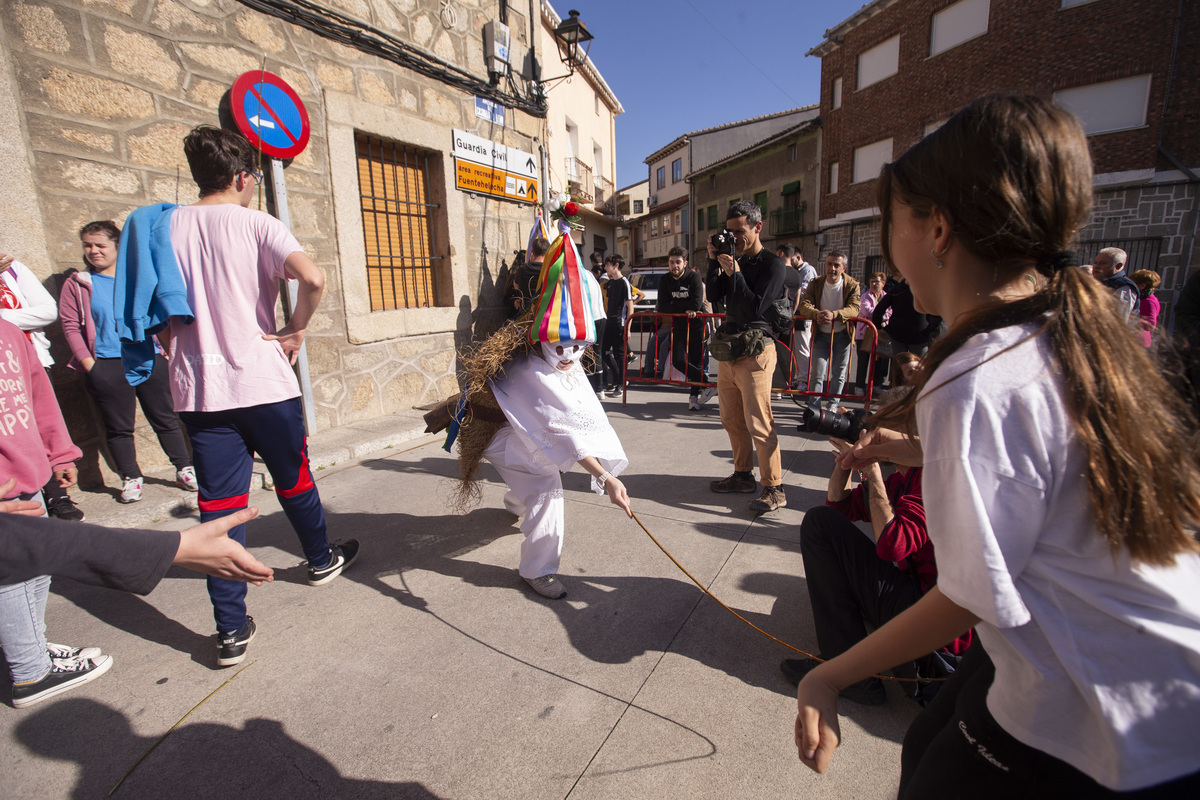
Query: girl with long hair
[1061, 495]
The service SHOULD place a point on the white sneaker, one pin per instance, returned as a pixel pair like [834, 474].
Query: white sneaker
[131, 492]
[62, 652]
[694, 402]
[186, 479]
[707, 393]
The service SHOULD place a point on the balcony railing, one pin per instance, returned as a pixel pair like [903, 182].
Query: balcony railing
[579, 180]
[604, 195]
[787, 221]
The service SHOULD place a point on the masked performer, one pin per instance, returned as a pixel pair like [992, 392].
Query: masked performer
[528, 409]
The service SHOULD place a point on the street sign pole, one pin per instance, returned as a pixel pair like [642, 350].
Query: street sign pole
[279, 189]
[272, 116]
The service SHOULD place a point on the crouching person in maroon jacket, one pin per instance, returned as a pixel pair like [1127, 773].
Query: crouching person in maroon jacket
[853, 580]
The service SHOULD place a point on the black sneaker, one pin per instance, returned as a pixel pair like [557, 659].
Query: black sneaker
[343, 556]
[64, 508]
[231, 647]
[868, 693]
[737, 482]
[64, 674]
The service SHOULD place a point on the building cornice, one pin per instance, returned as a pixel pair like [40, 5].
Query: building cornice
[835, 35]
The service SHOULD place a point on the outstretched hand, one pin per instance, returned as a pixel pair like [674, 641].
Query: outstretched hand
[207, 548]
[882, 444]
[290, 339]
[817, 730]
[26, 508]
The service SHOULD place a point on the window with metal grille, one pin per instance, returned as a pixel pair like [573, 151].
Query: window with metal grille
[393, 181]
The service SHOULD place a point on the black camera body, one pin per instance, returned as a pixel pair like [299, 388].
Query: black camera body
[722, 242]
[847, 426]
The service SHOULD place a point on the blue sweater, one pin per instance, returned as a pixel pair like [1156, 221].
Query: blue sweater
[149, 287]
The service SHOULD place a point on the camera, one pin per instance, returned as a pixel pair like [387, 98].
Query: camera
[722, 242]
[847, 426]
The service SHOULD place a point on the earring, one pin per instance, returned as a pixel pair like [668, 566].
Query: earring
[937, 260]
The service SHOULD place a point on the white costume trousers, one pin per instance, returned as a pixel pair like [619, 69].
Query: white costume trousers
[535, 495]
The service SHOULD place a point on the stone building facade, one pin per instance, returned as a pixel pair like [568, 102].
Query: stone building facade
[896, 69]
[96, 95]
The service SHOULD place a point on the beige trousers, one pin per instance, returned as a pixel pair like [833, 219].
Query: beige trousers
[744, 392]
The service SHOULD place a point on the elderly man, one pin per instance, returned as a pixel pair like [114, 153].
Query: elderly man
[1109, 267]
[832, 300]
[749, 285]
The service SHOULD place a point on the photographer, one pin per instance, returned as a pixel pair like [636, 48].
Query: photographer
[850, 579]
[749, 285]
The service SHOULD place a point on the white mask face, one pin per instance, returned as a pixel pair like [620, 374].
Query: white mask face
[563, 356]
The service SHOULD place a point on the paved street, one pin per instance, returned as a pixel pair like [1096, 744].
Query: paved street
[430, 670]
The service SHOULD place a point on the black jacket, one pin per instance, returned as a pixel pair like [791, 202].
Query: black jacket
[750, 291]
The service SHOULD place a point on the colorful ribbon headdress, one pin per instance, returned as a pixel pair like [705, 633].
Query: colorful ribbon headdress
[564, 310]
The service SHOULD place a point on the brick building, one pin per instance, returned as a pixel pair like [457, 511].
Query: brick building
[781, 174]
[670, 216]
[897, 69]
[96, 95]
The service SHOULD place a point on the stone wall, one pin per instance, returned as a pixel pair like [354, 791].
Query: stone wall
[1152, 211]
[106, 89]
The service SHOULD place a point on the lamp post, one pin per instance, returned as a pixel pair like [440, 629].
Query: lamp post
[570, 34]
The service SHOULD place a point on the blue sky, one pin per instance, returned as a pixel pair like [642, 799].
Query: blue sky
[680, 65]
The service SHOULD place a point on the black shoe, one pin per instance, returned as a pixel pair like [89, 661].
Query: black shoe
[868, 693]
[737, 482]
[342, 556]
[63, 675]
[231, 647]
[64, 508]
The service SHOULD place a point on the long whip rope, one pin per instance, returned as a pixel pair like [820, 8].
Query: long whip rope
[719, 602]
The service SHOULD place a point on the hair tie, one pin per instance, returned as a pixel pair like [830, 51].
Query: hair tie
[1059, 260]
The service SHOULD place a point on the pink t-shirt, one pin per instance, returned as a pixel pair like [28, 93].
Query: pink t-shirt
[231, 259]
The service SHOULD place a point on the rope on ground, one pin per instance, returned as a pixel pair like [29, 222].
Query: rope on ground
[176, 725]
[751, 624]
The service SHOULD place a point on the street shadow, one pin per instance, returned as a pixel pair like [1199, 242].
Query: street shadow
[199, 760]
[130, 613]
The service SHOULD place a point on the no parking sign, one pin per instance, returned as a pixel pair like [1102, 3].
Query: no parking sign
[270, 114]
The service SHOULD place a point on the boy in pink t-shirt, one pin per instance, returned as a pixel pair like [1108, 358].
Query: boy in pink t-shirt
[231, 374]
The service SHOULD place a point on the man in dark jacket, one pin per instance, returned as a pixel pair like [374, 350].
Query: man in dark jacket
[681, 291]
[1109, 267]
[749, 285]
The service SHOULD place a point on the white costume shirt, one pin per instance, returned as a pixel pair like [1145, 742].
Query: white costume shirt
[38, 309]
[556, 419]
[1097, 659]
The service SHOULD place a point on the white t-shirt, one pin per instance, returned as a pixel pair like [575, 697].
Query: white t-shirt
[1097, 660]
[231, 259]
[831, 300]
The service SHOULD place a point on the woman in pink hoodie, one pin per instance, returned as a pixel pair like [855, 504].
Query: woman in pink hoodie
[89, 324]
[34, 445]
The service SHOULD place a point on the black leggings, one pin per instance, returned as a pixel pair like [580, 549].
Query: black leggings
[940, 761]
[115, 398]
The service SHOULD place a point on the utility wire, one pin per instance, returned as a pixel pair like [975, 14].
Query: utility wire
[338, 27]
[749, 60]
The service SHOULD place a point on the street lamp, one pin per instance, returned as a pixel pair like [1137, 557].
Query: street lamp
[570, 34]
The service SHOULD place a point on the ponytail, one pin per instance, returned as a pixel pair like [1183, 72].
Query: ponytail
[1143, 480]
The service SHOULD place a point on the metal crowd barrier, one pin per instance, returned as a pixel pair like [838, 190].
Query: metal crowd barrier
[656, 354]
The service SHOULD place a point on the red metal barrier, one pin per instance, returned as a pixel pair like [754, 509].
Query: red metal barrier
[654, 330]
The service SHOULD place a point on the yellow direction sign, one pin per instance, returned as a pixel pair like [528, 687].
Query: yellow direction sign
[472, 177]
